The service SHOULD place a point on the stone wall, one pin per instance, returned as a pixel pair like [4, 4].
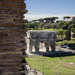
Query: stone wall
[12, 42]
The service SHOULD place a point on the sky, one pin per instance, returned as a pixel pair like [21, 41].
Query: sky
[46, 8]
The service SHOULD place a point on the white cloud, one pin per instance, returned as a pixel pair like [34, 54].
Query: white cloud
[38, 16]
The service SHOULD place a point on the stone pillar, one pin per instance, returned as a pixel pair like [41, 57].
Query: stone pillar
[12, 42]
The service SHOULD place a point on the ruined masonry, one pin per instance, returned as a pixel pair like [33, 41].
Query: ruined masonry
[12, 44]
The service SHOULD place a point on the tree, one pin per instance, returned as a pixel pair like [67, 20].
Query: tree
[70, 29]
[60, 25]
[66, 18]
[33, 25]
[50, 19]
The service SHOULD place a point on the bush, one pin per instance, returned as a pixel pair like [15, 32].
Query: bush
[32, 25]
[61, 34]
[73, 30]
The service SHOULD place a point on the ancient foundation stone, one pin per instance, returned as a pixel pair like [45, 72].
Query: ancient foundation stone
[12, 42]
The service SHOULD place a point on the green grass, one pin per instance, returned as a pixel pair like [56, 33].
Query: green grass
[53, 66]
[57, 30]
[66, 42]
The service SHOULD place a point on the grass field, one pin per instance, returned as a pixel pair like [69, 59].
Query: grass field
[66, 42]
[53, 66]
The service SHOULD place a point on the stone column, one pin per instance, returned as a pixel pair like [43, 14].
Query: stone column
[12, 42]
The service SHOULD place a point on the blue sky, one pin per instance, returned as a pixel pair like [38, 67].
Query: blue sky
[44, 8]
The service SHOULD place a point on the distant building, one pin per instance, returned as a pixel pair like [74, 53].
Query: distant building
[72, 18]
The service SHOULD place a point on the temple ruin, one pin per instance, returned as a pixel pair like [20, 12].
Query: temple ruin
[12, 41]
[36, 37]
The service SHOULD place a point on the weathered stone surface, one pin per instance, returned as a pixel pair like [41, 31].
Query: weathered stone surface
[12, 41]
[48, 37]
